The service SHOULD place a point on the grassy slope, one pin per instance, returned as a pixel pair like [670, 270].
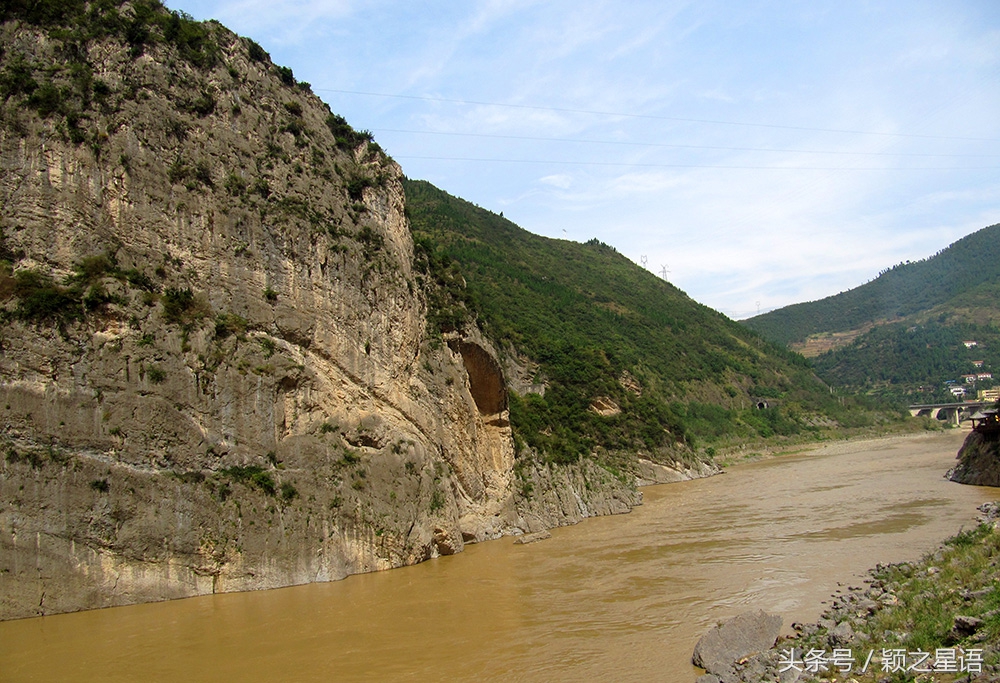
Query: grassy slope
[585, 315]
[913, 606]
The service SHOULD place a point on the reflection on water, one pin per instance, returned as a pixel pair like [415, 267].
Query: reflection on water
[615, 598]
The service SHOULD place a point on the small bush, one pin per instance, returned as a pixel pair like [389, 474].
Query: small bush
[252, 475]
[176, 128]
[100, 485]
[137, 278]
[203, 173]
[90, 269]
[288, 492]
[370, 238]
[286, 75]
[96, 297]
[293, 108]
[31, 457]
[344, 136]
[235, 185]
[356, 186]
[181, 306]
[47, 99]
[227, 324]
[222, 492]
[295, 127]
[101, 89]
[267, 346]
[190, 476]
[202, 106]
[42, 300]
[156, 374]
[178, 171]
[437, 500]
[262, 188]
[17, 79]
[256, 52]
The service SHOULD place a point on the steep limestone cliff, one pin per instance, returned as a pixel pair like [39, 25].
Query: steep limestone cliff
[215, 370]
[224, 363]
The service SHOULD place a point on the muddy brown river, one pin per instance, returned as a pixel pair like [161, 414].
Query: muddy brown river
[620, 598]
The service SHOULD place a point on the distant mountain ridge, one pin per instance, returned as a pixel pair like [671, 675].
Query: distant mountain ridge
[902, 336]
[961, 275]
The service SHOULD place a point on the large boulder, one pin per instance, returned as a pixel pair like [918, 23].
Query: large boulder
[978, 460]
[736, 639]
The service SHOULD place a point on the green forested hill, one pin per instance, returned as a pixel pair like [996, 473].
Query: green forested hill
[913, 362]
[591, 321]
[918, 315]
[948, 278]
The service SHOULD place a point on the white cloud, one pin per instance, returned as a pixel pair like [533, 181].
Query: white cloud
[561, 180]
[717, 94]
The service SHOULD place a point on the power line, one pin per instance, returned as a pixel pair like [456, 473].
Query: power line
[531, 138]
[714, 166]
[657, 117]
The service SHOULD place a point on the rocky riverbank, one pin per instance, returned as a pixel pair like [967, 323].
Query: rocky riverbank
[979, 459]
[936, 619]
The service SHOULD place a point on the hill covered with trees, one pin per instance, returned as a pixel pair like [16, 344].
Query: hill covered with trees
[902, 336]
[965, 274]
[597, 330]
[242, 351]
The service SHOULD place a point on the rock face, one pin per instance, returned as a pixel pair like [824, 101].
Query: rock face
[648, 472]
[744, 635]
[216, 373]
[979, 460]
[216, 368]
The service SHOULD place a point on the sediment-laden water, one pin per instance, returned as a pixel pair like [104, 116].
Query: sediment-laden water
[617, 598]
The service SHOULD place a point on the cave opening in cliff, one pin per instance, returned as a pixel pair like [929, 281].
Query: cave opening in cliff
[485, 378]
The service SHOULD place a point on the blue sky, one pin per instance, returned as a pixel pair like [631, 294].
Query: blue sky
[763, 153]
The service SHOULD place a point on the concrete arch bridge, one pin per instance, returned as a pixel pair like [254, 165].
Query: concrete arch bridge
[950, 412]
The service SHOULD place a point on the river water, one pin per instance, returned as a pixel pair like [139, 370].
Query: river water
[620, 598]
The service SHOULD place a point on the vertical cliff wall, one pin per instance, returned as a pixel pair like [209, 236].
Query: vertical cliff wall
[214, 367]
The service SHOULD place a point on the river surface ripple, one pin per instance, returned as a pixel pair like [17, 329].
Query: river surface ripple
[620, 598]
